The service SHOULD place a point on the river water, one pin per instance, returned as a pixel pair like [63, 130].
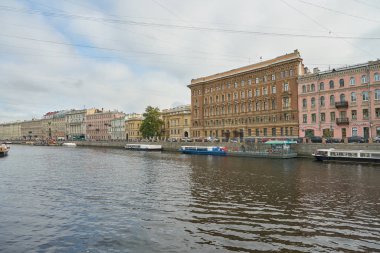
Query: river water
[56, 199]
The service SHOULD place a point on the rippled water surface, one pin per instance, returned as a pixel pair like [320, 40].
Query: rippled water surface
[55, 199]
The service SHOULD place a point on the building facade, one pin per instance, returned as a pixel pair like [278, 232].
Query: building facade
[76, 123]
[98, 124]
[10, 131]
[177, 122]
[341, 102]
[32, 130]
[132, 126]
[258, 100]
[54, 125]
[117, 129]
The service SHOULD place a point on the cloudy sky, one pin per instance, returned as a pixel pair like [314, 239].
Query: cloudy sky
[125, 55]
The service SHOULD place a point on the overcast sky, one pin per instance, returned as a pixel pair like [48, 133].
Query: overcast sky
[126, 55]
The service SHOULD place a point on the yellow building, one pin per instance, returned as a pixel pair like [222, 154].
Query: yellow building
[177, 122]
[32, 130]
[132, 126]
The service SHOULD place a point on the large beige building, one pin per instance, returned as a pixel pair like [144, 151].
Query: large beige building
[132, 126]
[32, 130]
[177, 122]
[10, 131]
[54, 125]
[259, 100]
[76, 123]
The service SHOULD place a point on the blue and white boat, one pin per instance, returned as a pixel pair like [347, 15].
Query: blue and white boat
[204, 150]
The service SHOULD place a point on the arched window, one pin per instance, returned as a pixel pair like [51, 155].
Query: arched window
[242, 107]
[304, 103]
[322, 101]
[342, 97]
[312, 87]
[341, 83]
[364, 78]
[303, 88]
[257, 107]
[313, 102]
[331, 84]
[273, 104]
[376, 77]
[332, 100]
[322, 86]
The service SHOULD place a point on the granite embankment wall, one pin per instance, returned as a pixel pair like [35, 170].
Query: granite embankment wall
[303, 149]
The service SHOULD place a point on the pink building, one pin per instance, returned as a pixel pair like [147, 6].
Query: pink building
[98, 125]
[341, 102]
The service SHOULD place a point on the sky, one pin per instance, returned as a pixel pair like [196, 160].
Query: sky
[126, 55]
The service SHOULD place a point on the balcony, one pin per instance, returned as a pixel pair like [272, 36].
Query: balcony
[341, 104]
[342, 121]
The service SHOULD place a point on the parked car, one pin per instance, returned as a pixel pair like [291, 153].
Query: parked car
[376, 139]
[333, 140]
[316, 139]
[234, 140]
[356, 139]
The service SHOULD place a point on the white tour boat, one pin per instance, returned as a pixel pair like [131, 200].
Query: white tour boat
[143, 147]
[331, 154]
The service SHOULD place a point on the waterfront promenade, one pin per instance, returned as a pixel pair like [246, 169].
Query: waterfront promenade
[302, 149]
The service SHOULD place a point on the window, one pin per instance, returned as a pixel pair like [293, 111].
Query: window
[304, 118]
[354, 131]
[242, 94]
[353, 97]
[332, 116]
[377, 112]
[265, 91]
[364, 78]
[257, 106]
[332, 100]
[365, 95]
[242, 83]
[354, 114]
[352, 81]
[286, 102]
[273, 104]
[257, 80]
[312, 87]
[235, 85]
[250, 93]
[341, 83]
[273, 89]
[291, 72]
[321, 86]
[265, 78]
[313, 118]
[273, 77]
[265, 132]
[274, 131]
[365, 114]
[257, 93]
[303, 88]
[286, 86]
[376, 77]
[377, 94]
[331, 84]
[304, 103]
[342, 97]
[323, 117]
[312, 102]
[257, 132]
[322, 101]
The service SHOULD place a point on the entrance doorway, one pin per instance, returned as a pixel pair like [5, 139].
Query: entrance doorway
[344, 132]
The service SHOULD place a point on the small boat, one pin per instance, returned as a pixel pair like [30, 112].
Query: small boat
[69, 144]
[331, 154]
[3, 150]
[204, 150]
[143, 147]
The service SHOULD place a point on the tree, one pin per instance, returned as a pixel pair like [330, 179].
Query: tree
[151, 125]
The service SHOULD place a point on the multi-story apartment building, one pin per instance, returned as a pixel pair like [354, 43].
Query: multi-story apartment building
[10, 131]
[98, 124]
[76, 123]
[132, 126]
[257, 100]
[177, 122]
[32, 130]
[341, 102]
[54, 125]
[117, 129]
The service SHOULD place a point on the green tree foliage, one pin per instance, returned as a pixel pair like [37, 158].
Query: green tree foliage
[151, 125]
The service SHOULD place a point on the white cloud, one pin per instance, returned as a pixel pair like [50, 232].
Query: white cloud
[42, 70]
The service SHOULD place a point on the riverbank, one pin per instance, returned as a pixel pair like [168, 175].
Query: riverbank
[236, 149]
